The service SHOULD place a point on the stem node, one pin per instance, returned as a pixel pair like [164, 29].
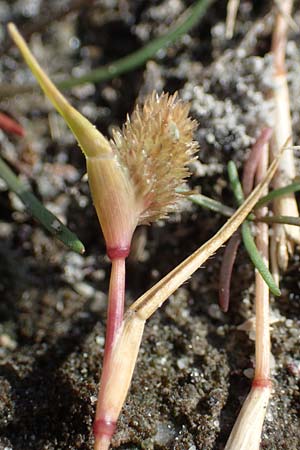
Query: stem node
[103, 427]
[262, 383]
[117, 252]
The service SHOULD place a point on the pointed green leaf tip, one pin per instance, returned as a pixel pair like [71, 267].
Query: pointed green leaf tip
[39, 212]
[91, 141]
[248, 240]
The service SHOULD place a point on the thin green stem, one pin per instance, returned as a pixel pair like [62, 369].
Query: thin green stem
[142, 55]
[257, 260]
[235, 183]
[248, 240]
[290, 188]
[133, 60]
[285, 220]
[38, 211]
[213, 205]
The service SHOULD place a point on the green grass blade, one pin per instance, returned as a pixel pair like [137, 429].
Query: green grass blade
[39, 212]
[248, 240]
[139, 57]
[285, 220]
[128, 62]
[257, 259]
[293, 187]
[213, 205]
[235, 183]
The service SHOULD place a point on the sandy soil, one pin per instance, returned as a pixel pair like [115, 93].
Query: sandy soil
[195, 365]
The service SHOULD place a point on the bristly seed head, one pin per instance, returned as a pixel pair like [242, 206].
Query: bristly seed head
[133, 178]
[156, 145]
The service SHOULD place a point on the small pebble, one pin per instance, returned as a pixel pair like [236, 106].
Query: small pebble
[5, 229]
[182, 363]
[100, 340]
[7, 342]
[84, 289]
[164, 433]
[249, 373]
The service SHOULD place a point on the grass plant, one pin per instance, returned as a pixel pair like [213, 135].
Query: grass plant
[135, 178]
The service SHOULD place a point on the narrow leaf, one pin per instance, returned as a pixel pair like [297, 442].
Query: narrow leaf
[139, 57]
[235, 183]
[228, 260]
[91, 141]
[246, 233]
[285, 220]
[290, 188]
[257, 260]
[209, 203]
[39, 212]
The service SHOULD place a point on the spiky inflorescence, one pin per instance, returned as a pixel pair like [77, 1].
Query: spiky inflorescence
[156, 145]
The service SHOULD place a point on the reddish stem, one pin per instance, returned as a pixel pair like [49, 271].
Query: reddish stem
[116, 300]
[103, 427]
[9, 125]
[226, 270]
[262, 329]
[262, 383]
[253, 160]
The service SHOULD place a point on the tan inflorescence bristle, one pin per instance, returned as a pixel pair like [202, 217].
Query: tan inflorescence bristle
[156, 145]
[133, 178]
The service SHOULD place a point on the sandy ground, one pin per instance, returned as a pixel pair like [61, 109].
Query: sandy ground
[195, 365]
